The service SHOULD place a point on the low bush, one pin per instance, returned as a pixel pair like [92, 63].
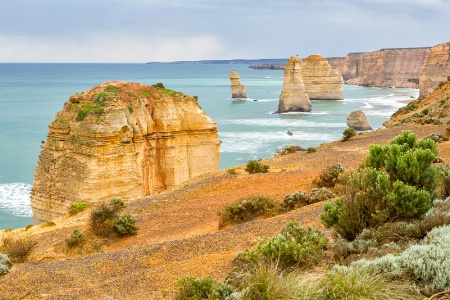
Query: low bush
[103, 219]
[78, 207]
[444, 181]
[247, 209]
[125, 225]
[19, 248]
[329, 177]
[301, 198]
[76, 238]
[294, 246]
[193, 288]
[427, 263]
[311, 150]
[286, 150]
[231, 171]
[348, 133]
[254, 166]
[438, 215]
[5, 264]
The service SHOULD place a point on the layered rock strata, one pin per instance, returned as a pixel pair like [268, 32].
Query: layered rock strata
[322, 82]
[435, 69]
[358, 121]
[399, 67]
[294, 96]
[237, 89]
[124, 140]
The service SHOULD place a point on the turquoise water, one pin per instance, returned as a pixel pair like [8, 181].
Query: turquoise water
[31, 95]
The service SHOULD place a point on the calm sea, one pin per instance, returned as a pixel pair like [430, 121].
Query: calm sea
[31, 95]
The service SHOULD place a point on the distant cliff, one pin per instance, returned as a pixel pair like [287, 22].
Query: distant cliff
[436, 69]
[125, 140]
[398, 67]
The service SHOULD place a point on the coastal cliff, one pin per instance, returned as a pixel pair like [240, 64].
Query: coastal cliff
[294, 96]
[399, 67]
[322, 82]
[436, 69]
[125, 140]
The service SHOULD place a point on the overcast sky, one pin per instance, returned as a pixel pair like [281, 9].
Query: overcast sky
[168, 30]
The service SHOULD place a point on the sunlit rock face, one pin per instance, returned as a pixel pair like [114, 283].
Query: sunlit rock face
[435, 69]
[237, 89]
[322, 82]
[121, 140]
[294, 96]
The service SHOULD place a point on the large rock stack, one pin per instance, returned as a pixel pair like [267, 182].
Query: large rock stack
[322, 82]
[124, 140]
[294, 96]
[237, 89]
[435, 69]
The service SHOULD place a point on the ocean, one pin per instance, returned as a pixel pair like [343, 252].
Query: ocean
[31, 95]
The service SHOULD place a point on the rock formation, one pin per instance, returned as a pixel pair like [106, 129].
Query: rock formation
[435, 69]
[398, 67]
[322, 82]
[293, 96]
[124, 140]
[237, 89]
[358, 121]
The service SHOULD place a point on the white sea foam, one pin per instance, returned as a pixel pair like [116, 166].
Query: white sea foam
[15, 199]
[254, 142]
[278, 122]
[367, 105]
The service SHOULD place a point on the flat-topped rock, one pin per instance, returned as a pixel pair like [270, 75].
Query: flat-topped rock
[121, 140]
[435, 69]
[294, 96]
[322, 82]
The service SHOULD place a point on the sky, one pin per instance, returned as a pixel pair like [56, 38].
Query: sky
[136, 31]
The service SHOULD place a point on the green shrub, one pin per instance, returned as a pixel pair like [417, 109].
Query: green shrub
[193, 288]
[329, 177]
[247, 209]
[254, 166]
[231, 171]
[102, 218]
[348, 133]
[19, 248]
[425, 111]
[76, 238]
[125, 225]
[428, 262]
[294, 246]
[444, 180]
[5, 264]
[78, 207]
[29, 226]
[396, 181]
[49, 224]
[311, 150]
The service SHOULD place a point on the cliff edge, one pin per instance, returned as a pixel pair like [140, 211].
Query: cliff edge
[125, 140]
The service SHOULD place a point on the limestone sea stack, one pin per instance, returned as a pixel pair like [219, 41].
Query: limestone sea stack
[435, 69]
[358, 121]
[294, 96]
[121, 140]
[322, 82]
[237, 89]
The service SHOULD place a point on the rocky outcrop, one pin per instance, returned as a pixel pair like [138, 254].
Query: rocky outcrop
[358, 121]
[398, 67]
[124, 140]
[237, 89]
[433, 109]
[293, 96]
[322, 82]
[435, 69]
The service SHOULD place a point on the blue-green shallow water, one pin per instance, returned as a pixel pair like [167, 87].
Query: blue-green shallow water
[31, 95]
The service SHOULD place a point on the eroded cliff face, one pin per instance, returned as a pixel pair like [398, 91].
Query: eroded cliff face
[124, 140]
[237, 89]
[322, 82]
[435, 69]
[293, 96]
[384, 68]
